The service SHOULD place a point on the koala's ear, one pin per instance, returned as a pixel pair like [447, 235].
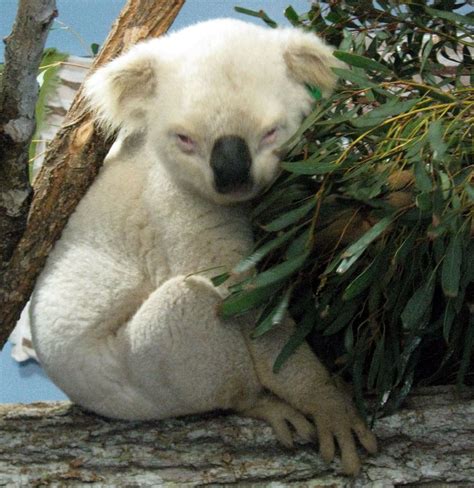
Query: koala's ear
[119, 93]
[309, 60]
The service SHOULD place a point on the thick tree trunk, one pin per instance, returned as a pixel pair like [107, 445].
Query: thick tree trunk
[72, 162]
[18, 96]
[431, 441]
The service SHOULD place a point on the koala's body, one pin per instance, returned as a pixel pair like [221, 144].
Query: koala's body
[118, 322]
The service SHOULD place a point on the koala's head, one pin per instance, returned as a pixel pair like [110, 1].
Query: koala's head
[215, 100]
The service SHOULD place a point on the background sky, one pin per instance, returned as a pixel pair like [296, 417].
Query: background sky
[79, 24]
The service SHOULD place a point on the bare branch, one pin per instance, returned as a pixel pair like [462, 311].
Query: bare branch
[18, 95]
[427, 443]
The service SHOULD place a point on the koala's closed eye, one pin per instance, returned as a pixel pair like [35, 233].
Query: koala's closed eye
[186, 143]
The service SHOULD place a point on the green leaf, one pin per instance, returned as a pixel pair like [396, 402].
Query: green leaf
[426, 52]
[310, 167]
[435, 138]
[49, 67]
[295, 340]
[249, 262]
[299, 245]
[361, 61]
[418, 304]
[356, 78]
[257, 13]
[275, 317]
[290, 217]
[292, 16]
[346, 315]
[243, 301]
[354, 251]
[451, 16]
[95, 48]
[407, 245]
[218, 280]
[451, 268]
[422, 180]
[380, 114]
[448, 319]
[377, 362]
[363, 280]
[278, 272]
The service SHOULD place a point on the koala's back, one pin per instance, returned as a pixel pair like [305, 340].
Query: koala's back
[94, 276]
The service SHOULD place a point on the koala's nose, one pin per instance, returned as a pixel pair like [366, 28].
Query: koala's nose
[230, 162]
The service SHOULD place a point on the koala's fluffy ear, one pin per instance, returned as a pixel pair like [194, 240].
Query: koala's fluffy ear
[120, 92]
[310, 60]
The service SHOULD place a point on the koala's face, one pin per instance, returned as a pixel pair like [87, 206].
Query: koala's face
[216, 101]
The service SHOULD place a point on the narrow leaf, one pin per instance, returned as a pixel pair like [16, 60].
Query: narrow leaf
[278, 272]
[309, 167]
[275, 317]
[360, 61]
[250, 261]
[295, 340]
[451, 16]
[289, 217]
[451, 268]
[422, 180]
[243, 301]
[363, 280]
[417, 305]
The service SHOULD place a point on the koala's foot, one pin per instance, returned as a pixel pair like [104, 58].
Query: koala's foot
[280, 416]
[335, 417]
[305, 384]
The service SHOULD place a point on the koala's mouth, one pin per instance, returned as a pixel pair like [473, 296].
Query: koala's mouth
[237, 193]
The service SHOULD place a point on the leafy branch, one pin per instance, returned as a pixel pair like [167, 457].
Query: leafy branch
[366, 237]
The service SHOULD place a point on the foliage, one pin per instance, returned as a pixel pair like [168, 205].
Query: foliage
[366, 237]
[48, 81]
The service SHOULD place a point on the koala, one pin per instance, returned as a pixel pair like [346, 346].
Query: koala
[121, 321]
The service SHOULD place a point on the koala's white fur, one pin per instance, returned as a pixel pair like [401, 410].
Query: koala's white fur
[117, 321]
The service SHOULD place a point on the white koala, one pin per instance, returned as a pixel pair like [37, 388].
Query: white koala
[117, 321]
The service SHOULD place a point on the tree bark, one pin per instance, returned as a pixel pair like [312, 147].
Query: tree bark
[18, 96]
[430, 441]
[72, 162]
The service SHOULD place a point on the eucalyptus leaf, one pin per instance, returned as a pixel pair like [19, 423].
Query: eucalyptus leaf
[295, 340]
[451, 268]
[275, 317]
[361, 61]
[290, 217]
[243, 301]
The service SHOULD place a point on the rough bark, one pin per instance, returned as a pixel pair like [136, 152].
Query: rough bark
[430, 441]
[18, 96]
[72, 162]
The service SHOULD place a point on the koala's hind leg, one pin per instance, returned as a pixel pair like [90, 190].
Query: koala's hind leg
[281, 416]
[183, 355]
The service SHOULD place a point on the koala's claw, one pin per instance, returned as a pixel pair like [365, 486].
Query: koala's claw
[339, 420]
[280, 416]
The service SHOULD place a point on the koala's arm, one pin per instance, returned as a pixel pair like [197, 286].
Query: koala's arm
[306, 385]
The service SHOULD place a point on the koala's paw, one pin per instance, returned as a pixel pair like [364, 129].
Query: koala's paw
[335, 417]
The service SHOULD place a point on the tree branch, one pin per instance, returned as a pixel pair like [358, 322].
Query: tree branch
[72, 162]
[18, 96]
[429, 442]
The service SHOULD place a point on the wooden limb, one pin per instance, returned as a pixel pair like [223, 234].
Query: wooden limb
[72, 162]
[429, 442]
[18, 96]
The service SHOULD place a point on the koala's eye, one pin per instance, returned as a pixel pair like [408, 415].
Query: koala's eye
[186, 143]
[270, 136]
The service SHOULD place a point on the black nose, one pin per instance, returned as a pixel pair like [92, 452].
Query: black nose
[230, 161]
